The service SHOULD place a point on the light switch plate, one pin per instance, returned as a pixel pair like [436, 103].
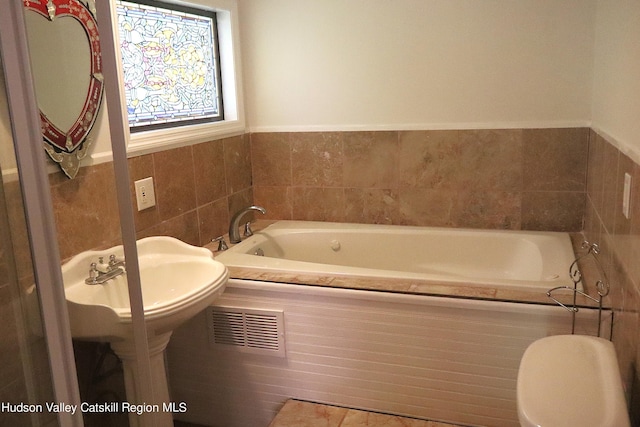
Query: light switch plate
[145, 194]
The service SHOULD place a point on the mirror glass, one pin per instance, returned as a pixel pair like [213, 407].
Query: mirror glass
[67, 72]
[59, 83]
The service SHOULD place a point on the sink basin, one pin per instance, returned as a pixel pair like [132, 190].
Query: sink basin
[178, 280]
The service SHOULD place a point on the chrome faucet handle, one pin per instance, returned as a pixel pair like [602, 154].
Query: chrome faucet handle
[247, 229]
[222, 245]
[93, 274]
[115, 262]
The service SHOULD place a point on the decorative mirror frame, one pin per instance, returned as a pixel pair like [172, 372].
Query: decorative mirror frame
[68, 147]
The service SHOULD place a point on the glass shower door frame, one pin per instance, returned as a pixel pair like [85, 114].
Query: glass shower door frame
[37, 202]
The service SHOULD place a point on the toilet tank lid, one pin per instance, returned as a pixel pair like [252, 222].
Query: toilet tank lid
[571, 380]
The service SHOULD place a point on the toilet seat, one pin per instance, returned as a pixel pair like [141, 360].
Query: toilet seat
[570, 380]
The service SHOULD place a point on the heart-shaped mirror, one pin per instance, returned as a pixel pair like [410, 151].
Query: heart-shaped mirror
[67, 71]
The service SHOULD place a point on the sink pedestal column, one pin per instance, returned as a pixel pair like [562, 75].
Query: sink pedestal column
[154, 413]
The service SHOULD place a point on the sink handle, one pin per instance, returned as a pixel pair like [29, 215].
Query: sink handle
[222, 245]
[115, 262]
[247, 230]
[93, 274]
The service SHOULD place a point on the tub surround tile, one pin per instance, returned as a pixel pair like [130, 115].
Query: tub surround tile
[610, 201]
[429, 159]
[318, 204]
[592, 223]
[555, 159]
[236, 164]
[278, 201]
[417, 206]
[317, 159]
[553, 211]
[239, 201]
[271, 159]
[371, 205]
[486, 210]
[370, 159]
[461, 160]
[491, 159]
[595, 169]
[450, 178]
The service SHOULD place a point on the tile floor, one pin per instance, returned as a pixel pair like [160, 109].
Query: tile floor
[297, 413]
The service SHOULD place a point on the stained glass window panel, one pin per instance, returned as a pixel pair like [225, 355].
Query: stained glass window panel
[169, 60]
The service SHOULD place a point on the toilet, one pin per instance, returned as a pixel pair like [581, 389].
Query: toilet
[569, 381]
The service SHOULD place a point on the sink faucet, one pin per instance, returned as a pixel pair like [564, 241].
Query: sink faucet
[100, 272]
[234, 233]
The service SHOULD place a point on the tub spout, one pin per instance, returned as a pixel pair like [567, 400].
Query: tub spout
[234, 233]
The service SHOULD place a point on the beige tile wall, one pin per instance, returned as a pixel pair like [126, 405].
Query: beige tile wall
[507, 179]
[619, 239]
[196, 187]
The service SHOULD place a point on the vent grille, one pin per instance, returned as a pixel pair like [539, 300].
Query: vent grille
[247, 330]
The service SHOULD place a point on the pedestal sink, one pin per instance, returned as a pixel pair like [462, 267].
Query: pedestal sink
[178, 281]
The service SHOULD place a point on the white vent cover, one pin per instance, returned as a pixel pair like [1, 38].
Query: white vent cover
[249, 330]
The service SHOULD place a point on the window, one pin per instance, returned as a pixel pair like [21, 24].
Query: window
[170, 65]
[194, 111]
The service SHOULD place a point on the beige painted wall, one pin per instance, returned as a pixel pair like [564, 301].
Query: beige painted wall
[616, 87]
[416, 64]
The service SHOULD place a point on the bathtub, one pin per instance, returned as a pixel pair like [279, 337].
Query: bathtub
[521, 260]
[438, 356]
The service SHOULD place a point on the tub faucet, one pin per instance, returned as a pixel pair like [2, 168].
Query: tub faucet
[234, 233]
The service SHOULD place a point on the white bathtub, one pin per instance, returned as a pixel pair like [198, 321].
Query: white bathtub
[514, 259]
[407, 353]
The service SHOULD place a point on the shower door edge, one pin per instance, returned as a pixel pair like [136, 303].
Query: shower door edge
[37, 202]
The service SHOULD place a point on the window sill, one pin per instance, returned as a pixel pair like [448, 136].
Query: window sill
[163, 139]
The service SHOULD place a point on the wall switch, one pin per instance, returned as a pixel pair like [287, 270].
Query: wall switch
[626, 195]
[145, 194]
